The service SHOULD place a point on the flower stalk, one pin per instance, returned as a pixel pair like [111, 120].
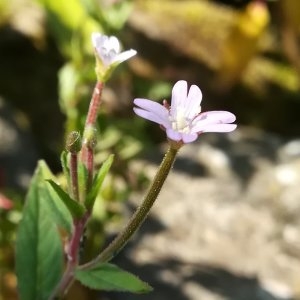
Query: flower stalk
[140, 214]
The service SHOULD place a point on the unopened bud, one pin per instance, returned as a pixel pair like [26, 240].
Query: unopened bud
[73, 143]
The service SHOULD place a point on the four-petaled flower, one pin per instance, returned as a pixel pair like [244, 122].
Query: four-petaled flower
[108, 49]
[183, 120]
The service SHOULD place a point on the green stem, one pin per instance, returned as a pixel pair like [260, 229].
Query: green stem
[140, 214]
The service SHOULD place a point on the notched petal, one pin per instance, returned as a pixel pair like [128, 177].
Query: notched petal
[150, 105]
[151, 116]
[179, 93]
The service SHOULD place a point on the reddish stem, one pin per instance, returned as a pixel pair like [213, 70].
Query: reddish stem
[94, 104]
[87, 158]
[72, 255]
[87, 154]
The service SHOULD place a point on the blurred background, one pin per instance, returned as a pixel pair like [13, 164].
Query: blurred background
[227, 225]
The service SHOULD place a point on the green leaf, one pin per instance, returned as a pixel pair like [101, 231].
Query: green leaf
[109, 277]
[98, 180]
[39, 252]
[75, 208]
[57, 210]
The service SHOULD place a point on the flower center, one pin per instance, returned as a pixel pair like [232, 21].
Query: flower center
[180, 123]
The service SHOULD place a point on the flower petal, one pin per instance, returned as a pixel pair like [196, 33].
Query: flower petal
[150, 105]
[179, 94]
[193, 102]
[216, 116]
[189, 137]
[124, 56]
[113, 43]
[147, 115]
[183, 121]
[210, 118]
[219, 128]
[173, 135]
[153, 111]
[151, 116]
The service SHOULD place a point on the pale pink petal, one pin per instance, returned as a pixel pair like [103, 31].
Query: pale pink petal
[173, 135]
[216, 116]
[189, 137]
[184, 115]
[152, 106]
[124, 56]
[149, 105]
[179, 94]
[211, 117]
[193, 102]
[219, 128]
[151, 116]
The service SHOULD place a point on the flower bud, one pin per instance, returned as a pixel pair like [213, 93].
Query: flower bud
[73, 143]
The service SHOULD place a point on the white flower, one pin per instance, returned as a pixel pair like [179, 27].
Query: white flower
[108, 49]
[183, 120]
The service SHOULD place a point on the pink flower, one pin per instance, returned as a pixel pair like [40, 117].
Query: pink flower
[108, 49]
[183, 120]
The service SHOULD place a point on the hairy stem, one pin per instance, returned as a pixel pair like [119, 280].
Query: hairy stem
[94, 104]
[140, 214]
[89, 139]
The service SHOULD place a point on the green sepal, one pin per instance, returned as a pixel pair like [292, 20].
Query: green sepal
[75, 208]
[109, 277]
[39, 251]
[97, 183]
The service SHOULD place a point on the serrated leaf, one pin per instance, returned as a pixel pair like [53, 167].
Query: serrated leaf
[109, 277]
[75, 208]
[98, 181]
[39, 251]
